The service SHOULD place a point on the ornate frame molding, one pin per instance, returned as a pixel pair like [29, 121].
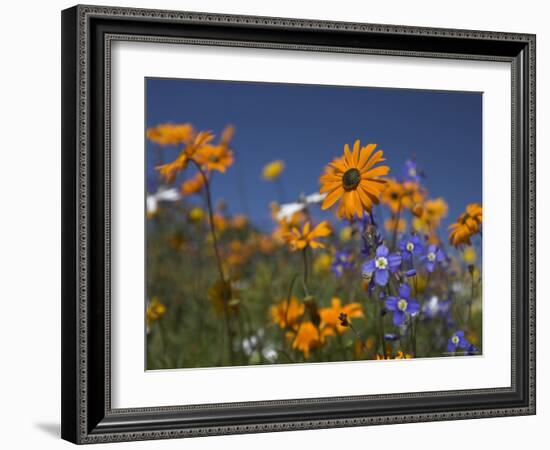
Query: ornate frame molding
[86, 422]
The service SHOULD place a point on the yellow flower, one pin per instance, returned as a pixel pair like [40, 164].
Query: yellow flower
[329, 316]
[435, 210]
[346, 233]
[170, 134]
[322, 263]
[307, 338]
[467, 225]
[286, 314]
[273, 170]
[193, 184]
[155, 310]
[469, 255]
[354, 180]
[196, 214]
[307, 238]
[432, 212]
[391, 224]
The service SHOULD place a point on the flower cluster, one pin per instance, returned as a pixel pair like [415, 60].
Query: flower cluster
[361, 269]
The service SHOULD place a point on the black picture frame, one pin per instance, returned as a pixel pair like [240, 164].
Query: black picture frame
[87, 32]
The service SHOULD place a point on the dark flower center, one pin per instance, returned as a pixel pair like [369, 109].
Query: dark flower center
[351, 179]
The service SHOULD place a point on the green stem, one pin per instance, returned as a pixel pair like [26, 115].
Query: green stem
[218, 260]
[211, 219]
[396, 225]
[306, 271]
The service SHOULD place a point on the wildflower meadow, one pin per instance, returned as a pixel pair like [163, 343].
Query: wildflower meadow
[367, 265]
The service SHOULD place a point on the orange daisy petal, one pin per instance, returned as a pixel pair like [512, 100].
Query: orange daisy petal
[379, 171]
[331, 198]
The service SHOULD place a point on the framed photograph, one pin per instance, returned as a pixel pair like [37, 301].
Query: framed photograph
[282, 224]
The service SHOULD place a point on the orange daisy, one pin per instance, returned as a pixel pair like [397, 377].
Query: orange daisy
[329, 316]
[287, 314]
[467, 225]
[307, 338]
[298, 240]
[354, 180]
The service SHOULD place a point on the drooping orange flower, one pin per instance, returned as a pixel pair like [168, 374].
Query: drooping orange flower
[354, 180]
[298, 240]
[169, 171]
[193, 184]
[286, 314]
[307, 338]
[217, 157]
[329, 316]
[170, 134]
[467, 225]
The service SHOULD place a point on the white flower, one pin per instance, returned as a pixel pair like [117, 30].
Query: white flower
[287, 210]
[162, 195]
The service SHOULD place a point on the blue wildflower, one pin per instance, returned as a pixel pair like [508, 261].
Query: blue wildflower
[391, 337]
[472, 349]
[402, 305]
[382, 265]
[341, 263]
[456, 341]
[432, 256]
[411, 171]
[410, 246]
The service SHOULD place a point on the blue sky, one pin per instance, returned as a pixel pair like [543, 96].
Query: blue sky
[308, 125]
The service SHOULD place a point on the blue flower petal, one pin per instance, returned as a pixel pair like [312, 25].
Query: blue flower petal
[382, 250]
[404, 291]
[394, 261]
[413, 306]
[398, 318]
[391, 303]
[369, 266]
[381, 277]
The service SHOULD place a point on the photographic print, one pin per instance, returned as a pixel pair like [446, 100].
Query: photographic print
[290, 223]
